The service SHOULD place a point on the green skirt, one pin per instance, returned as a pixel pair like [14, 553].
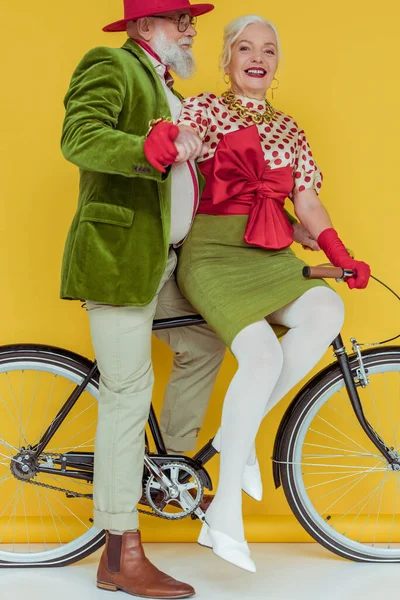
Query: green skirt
[232, 284]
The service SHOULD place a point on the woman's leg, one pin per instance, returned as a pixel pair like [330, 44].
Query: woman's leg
[260, 360]
[314, 320]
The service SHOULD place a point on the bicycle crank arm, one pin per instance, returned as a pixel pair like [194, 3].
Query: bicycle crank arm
[158, 474]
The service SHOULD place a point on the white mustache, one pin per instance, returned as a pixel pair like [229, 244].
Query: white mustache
[186, 42]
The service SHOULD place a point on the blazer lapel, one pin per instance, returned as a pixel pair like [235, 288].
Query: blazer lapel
[140, 54]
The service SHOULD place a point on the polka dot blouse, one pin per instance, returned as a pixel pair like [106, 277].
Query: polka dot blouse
[282, 141]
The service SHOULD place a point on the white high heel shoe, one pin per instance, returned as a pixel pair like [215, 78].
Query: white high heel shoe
[237, 553]
[251, 481]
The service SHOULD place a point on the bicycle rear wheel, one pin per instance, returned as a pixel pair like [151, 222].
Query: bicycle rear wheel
[339, 487]
[39, 524]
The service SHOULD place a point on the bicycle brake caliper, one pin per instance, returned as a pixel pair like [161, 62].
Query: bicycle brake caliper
[362, 373]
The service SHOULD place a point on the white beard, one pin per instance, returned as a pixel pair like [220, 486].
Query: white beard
[181, 61]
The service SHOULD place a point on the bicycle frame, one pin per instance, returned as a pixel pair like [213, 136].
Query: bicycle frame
[81, 463]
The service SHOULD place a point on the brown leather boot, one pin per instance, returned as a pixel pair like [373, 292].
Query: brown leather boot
[124, 566]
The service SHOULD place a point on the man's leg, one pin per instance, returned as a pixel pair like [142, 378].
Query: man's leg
[121, 338]
[198, 356]
[122, 342]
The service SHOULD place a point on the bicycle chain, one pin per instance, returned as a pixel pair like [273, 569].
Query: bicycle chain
[57, 489]
[88, 497]
[80, 495]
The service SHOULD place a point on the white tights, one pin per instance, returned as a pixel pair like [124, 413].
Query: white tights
[267, 370]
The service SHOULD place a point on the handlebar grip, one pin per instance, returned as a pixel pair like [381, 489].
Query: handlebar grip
[325, 273]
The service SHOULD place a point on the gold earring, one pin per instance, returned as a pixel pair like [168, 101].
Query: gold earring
[229, 78]
[274, 88]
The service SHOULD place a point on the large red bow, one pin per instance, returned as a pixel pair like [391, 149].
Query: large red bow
[242, 177]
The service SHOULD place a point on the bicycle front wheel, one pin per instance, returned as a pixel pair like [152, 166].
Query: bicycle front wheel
[45, 518]
[338, 485]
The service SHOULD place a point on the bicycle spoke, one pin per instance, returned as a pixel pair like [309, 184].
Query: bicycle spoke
[369, 497]
[40, 525]
[335, 466]
[350, 455]
[68, 509]
[310, 487]
[80, 432]
[46, 412]
[6, 478]
[16, 406]
[312, 430]
[41, 517]
[9, 457]
[343, 490]
[19, 491]
[369, 454]
[345, 399]
[25, 517]
[17, 427]
[52, 516]
[81, 413]
[375, 493]
[394, 510]
[59, 518]
[34, 395]
[341, 432]
[379, 507]
[4, 443]
[20, 405]
[86, 444]
[361, 478]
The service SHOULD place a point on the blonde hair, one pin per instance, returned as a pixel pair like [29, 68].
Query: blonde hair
[233, 31]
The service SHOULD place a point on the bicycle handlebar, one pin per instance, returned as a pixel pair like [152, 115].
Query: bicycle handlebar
[327, 273]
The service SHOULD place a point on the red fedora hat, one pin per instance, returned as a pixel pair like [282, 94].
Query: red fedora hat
[136, 9]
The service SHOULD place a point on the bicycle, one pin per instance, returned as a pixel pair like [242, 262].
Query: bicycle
[332, 423]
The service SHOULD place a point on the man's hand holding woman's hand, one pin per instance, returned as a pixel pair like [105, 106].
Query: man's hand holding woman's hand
[159, 147]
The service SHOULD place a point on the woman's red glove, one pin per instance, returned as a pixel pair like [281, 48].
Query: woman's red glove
[336, 252]
[159, 147]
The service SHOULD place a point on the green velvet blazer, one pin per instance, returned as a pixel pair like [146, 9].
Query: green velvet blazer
[117, 245]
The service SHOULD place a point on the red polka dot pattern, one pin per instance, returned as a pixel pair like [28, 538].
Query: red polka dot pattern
[282, 141]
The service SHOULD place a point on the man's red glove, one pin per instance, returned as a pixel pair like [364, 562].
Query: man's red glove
[159, 147]
[336, 252]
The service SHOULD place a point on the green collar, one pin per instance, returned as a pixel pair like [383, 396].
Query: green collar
[138, 51]
[134, 48]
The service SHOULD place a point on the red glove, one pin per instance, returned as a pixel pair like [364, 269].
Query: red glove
[159, 147]
[336, 252]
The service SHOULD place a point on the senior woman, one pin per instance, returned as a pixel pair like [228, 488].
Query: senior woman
[236, 266]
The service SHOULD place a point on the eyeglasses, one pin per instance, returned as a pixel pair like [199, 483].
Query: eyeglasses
[184, 21]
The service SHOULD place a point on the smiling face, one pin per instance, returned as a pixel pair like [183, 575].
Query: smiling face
[254, 61]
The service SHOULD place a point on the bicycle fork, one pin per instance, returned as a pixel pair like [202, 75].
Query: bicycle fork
[351, 386]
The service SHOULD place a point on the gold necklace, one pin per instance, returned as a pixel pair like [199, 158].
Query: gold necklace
[233, 103]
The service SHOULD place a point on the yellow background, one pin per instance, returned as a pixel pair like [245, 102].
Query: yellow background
[339, 79]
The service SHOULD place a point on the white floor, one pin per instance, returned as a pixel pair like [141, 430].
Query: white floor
[285, 572]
